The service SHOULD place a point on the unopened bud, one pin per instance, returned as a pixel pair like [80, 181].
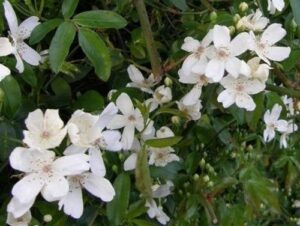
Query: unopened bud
[210, 184]
[202, 163]
[213, 16]
[250, 147]
[231, 29]
[47, 218]
[121, 156]
[175, 120]
[115, 168]
[196, 177]
[206, 178]
[110, 94]
[293, 25]
[168, 81]
[236, 18]
[243, 6]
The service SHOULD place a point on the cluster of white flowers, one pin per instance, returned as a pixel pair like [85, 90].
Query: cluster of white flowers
[15, 43]
[273, 123]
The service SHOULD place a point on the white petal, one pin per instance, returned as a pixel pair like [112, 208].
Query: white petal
[269, 134]
[130, 162]
[221, 36]
[127, 137]
[19, 64]
[239, 44]
[28, 54]
[5, 47]
[23, 220]
[96, 162]
[124, 103]
[112, 140]
[190, 44]
[279, 4]
[233, 66]
[11, 17]
[245, 101]
[207, 40]
[73, 149]
[27, 26]
[17, 208]
[4, 71]
[278, 53]
[28, 187]
[188, 64]
[254, 86]
[282, 125]
[192, 96]
[106, 116]
[135, 74]
[215, 70]
[99, 187]
[273, 34]
[72, 164]
[52, 121]
[55, 188]
[72, 203]
[117, 122]
[227, 98]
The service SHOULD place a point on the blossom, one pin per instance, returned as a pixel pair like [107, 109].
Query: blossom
[130, 119]
[291, 127]
[97, 185]
[24, 220]
[274, 5]
[161, 95]
[5, 49]
[273, 123]
[258, 71]
[191, 111]
[263, 45]
[289, 104]
[197, 60]
[45, 131]
[157, 212]
[253, 22]
[238, 91]
[44, 173]
[162, 190]
[19, 33]
[192, 97]
[138, 81]
[225, 52]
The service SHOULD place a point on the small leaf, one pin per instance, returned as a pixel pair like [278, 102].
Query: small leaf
[68, 8]
[29, 76]
[117, 207]
[139, 222]
[60, 45]
[42, 30]
[296, 10]
[7, 131]
[163, 142]
[97, 52]
[13, 96]
[90, 101]
[100, 19]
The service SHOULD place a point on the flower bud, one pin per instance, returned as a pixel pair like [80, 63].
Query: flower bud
[202, 163]
[206, 178]
[175, 120]
[232, 30]
[213, 16]
[293, 25]
[168, 81]
[243, 7]
[196, 177]
[210, 184]
[115, 168]
[121, 156]
[236, 18]
[47, 218]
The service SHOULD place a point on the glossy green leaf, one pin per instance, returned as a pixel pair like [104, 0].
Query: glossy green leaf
[43, 29]
[139, 222]
[180, 4]
[13, 96]
[100, 19]
[117, 207]
[163, 142]
[68, 8]
[295, 4]
[90, 101]
[97, 52]
[7, 136]
[60, 45]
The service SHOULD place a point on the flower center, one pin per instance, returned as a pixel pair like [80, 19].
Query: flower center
[199, 52]
[45, 135]
[46, 169]
[222, 53]
[239, 88]
[131, 118]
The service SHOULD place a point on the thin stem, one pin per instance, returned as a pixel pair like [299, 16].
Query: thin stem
[152, 50]
[284, 91]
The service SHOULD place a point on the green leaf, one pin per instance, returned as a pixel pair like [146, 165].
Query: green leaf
[253, 117]
[68, 8]
[42, 30]
[180, 4]
[116, 209]
[29, 76]
[60, 45]
[295, 4]
[13, 96]
[163, 142]
[100, 19]
[97, 52]
[7, 132]
[140, 222]
[90, 101]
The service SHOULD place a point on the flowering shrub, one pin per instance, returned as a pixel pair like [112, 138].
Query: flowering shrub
[170, 112]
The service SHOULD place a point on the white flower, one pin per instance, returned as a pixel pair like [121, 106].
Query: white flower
[164, 132]
[157, 212]
[5, 49]
[161, 191]
[291, 128]
[191, 111]
[45, 131]
[130, 119]
[289, 104]
[97, 185]
[18, 34]
[197, 60]
[44, 173]
[161, 95]
[273, 123]
[224, 55]
[264, 45]
[86, 133]
[238, 91]
[253, 22]
[18, 209]
[274, 5]
[192, 97]
[24, 220]
[138, 80]
[258, 71]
